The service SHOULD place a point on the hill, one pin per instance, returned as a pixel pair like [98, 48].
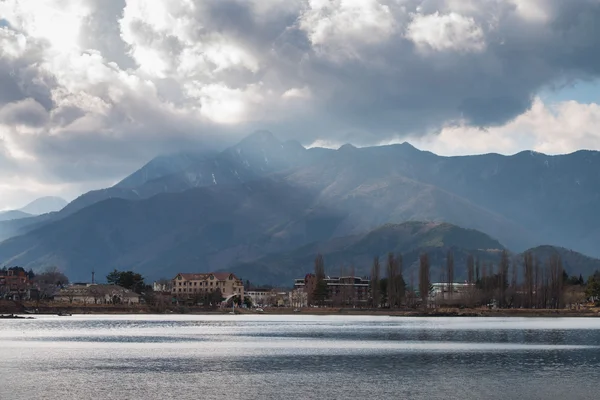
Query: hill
[574, 263]
[12, 215]
[409, 239]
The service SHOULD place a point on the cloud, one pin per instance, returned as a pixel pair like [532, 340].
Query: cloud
[559, 128]
[106, 84]
[452, 32]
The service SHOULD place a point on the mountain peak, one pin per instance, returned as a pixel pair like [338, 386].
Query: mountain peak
[44, 205]
[259, 136]
[347, 147]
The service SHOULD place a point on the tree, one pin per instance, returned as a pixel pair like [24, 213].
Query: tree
[592, 290]
[375, 289]
[470, 269]
[503, 272]
[114, 277]
[127, 279]
[391, 280]
[49, 282]
[556, 282]
[320, 290]
[450, 272]
[424, 283]
[528, 270]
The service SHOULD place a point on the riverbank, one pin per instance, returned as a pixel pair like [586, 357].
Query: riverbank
[56, 308]
[440, 312]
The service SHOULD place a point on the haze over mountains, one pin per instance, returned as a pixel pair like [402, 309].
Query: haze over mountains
[208, 211]
[39, 206]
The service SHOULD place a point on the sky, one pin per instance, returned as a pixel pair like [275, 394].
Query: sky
[90, 90]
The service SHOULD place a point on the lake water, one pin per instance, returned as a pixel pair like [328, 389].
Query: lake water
[298, 357]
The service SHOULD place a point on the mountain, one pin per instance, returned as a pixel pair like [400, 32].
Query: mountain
[574, 263]
[356, 252]
[523, 200]
[162, 166]
[410, 239]
[44, 205]
[12, 215]
[255, 157]
[201, 228]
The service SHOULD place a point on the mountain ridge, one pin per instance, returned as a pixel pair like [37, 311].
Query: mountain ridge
[523, 200]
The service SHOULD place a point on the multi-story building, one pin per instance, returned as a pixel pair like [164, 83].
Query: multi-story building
[14, 284]
[191, 286]
[343, 290]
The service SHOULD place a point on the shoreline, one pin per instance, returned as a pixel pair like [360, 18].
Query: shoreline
[445, 312]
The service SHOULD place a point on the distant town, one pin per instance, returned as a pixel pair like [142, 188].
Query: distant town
[533, 285]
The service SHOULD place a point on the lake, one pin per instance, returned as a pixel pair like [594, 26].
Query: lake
[298, 357]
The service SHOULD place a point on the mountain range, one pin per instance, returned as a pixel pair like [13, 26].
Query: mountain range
[410, 239]
[201, 210]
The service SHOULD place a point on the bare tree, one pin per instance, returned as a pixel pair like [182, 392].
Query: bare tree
[391, 280]
[424, 282]
[513, 284]
[470, 269]
[49, 282]
[556, 279]
[528, 269]
[352, 288]
[375, 277]
[450, 273]
[400, 283]
[320, 289]
[540, 295]
[503, 276]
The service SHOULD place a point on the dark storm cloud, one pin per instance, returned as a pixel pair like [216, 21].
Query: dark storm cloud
[366, 76]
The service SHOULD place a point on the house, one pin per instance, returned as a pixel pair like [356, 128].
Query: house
[97, 294]
[195, 287]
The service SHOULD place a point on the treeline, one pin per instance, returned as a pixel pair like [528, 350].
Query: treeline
[528, 282]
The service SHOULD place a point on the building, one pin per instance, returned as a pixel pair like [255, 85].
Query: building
[260, 297]
[14, 284]
[97, 294]
[198, 286]
[343, 290]
[443, 292]
[162, 286]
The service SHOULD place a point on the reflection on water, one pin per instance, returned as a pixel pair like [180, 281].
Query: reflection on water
[298, 357]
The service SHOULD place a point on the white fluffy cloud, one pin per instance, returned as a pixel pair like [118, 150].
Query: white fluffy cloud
[559, 128]
[452, 32]
[104, 85]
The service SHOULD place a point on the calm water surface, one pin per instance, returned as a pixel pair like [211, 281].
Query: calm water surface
[298, 357]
